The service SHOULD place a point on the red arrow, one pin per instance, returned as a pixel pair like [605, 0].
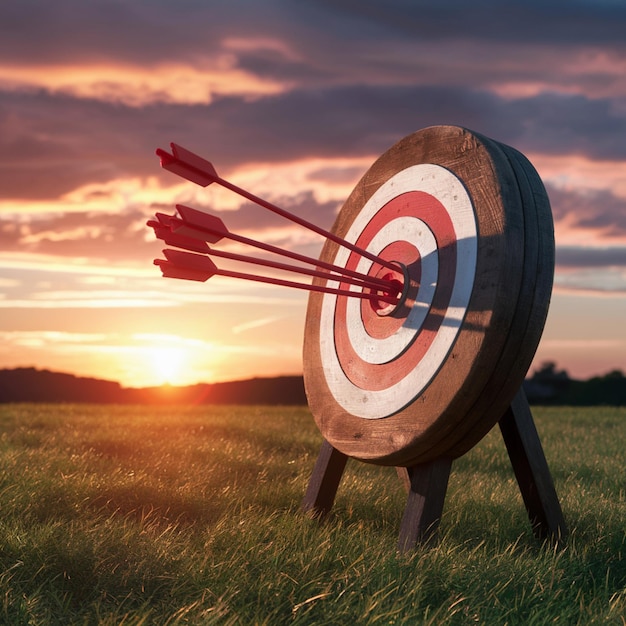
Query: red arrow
[390, 287]
[196, 244]
[200, 171]
[204, 221]
[194, 223]
[189, 266]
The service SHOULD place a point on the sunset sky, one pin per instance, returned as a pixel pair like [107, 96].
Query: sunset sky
[293, 101]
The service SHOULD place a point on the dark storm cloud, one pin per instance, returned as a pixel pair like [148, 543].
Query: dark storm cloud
[558, 124]
[74, 31]
[50, 145]
[363, 120]
[325, 44]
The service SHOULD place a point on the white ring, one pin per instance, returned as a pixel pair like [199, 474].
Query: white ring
[450, 192]
[371, 349]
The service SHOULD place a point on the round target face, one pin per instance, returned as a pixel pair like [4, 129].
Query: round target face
[400, 384]
[423, 218]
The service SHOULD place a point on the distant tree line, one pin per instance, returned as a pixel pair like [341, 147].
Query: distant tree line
[28, 384]
[549, 385]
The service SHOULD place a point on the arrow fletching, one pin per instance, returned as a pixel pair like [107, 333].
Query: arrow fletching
[186, 265]
[168, 270]
[188, 165]
[177, 240]
[192, 221]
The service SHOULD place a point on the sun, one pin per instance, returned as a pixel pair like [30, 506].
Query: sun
[166, 363]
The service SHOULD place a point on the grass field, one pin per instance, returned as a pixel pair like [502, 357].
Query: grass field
[135, 515]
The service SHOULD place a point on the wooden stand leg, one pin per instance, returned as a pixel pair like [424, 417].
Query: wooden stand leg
[324, 482]
[532, 471]
[405, 479]
[428, 485]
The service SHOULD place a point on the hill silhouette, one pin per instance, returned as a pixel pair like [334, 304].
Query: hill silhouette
[28, 384]
[548, 385]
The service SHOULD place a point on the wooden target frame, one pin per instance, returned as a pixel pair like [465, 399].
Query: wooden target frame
[468, 223]
[427, 305]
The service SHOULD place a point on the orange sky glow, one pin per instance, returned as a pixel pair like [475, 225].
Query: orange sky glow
[295, 110]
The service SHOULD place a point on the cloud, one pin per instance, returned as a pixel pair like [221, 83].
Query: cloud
[591, 281]
[33, 339]
[254, 324]
[591, 210]
[88, 92]
[570, 256]
[136, 87]
[514, 21]
[85, 301]
[125, 237]
[51, 264]
[101, 236]
[150, 32]
[56, 144]
[583, 344]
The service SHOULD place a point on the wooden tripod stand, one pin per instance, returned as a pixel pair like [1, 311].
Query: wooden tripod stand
[427, 483]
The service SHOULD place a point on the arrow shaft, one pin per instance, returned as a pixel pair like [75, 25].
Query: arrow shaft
[198, 170]
[302, 222]
[318, 288]
[294, 268]
[190, 266]
[179, 226]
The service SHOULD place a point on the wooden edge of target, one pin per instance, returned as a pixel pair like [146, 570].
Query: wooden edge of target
[540, 297]
[484, 413]
[526, 327]
[410, 433]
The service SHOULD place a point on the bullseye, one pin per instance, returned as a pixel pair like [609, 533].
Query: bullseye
[400, 280]
[407, 257]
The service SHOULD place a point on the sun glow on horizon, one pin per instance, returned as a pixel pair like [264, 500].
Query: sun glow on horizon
[167, 363]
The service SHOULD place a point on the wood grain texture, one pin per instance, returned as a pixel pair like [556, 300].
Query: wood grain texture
[427, 427]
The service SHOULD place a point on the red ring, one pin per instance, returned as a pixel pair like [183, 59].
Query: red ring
[377, 377]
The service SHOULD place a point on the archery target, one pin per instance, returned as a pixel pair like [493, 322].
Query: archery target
[466, 222]
[427, 207]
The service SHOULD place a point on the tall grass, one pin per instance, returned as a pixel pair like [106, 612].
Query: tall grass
[135, 515]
